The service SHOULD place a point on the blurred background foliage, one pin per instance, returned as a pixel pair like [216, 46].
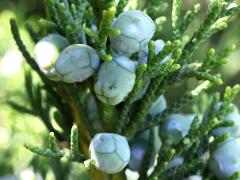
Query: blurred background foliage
[17, 128]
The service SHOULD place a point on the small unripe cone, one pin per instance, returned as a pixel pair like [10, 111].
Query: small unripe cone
[158, 106]
[47, 51]
[176, 127]
[137, 29]
[115, 80]
[110, 152]
[225, 160]
[139, 147]
[77, 63]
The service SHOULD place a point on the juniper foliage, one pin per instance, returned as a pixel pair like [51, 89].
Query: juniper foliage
[74, 20]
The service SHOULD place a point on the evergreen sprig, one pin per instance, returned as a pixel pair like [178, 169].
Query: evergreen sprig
[175, 107]
[123, 118]
[73, 19]
[54, 151]
[176, 12]
[22, 48]
[105, 31]
[188, 19]
[203, 32]
[235, 176]
[197, 131]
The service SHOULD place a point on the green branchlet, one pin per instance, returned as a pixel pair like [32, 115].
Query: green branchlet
[35, 101]
[185, 168]
[51, 11]
[235, 176]
[208, 59]
[66, 22]
[151, 95]
[203, 33]
[22, 48]
[53, 142]
[223, 124]
[219, 25]
[154, 62]
[123, 118]
[108, 117]
[154, 66]
[176, 106]
[48, 25]
[66, 19]
[229, 95]
[232, 11]
[43, 151]
[54, 151]
[218, 141]
[95, 8]
[121, 5]
[188, 19]
[221, 58]
[73, 21]
[135, 123]
[191, 152]
[216, 79]
[90, 33]
[197, 131]
[163, 161]
[157, 73]
[105, 31]
[74, 142]
[176, 13]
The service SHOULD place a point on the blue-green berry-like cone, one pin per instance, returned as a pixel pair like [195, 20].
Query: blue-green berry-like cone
[77, 63]
[47, 51]
[139, 147]
[110, 152]
[158, 106]
[176, 127]
[143, 55]
[225, 160]
[115, 80]
[137, 29]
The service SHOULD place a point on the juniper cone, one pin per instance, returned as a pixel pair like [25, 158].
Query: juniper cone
[110, 152]
[176, 127]
[137, 29]
[76, 63]
[225, 166]
[106, 74]
[115, 80]
[47, 51]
